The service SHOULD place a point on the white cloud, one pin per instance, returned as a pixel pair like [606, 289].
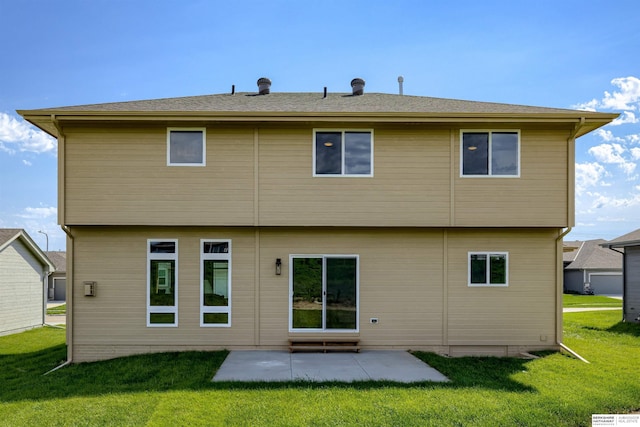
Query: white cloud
[584, 224]
[587, 106]
[635, 153]
[588, 175]
[27, 163]
[627, 117]
[611, 219]
[613, 202]
[42, 212]
[612, 154]
[608, 136]
[18, 135]
[622, 100]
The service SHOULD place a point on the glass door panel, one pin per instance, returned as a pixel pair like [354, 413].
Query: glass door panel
[341, 293]
[307, 293]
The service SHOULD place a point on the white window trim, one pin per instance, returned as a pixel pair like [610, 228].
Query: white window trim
[342, 131]
[204, 146]
[488, 285]
[208, 309]
[489, 131]
[324, 300]
[161, 309]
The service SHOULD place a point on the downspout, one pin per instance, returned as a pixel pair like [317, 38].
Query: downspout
[570, 220]
[69, 310]
[70, 249]
[45, 285]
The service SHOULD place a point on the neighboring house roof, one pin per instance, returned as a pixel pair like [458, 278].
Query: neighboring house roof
[592, 256]
[59, 259]
[629, 239]
[570, 250]
[294, 106]
[9, 235]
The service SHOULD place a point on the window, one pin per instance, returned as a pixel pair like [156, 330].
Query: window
[215, 283]
[343, 153]
[490, 153]
[162, 283]
[323, 293]
[186, 147]
[488, 268]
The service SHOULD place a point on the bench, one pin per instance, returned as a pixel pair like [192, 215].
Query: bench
[324, 344]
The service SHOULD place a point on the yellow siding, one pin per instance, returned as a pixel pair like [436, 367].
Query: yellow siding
[400, 282]
[522, 313]
[116, 259]
[264, 176]
[410, 186]
[537, 198]
[120, 176]
[404, 283]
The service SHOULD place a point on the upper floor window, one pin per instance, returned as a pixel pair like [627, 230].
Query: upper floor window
[490, 153]
[186, 147]
[343, 153]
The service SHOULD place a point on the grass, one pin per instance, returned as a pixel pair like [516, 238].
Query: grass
[577, 301]
[175, 388]
[61, 309]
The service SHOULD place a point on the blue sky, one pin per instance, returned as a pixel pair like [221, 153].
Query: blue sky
[569, 54]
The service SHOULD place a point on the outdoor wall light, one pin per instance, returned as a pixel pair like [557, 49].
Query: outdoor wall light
[278, 266]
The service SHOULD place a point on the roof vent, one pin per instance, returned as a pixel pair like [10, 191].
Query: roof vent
[264, 86]
[357, 86]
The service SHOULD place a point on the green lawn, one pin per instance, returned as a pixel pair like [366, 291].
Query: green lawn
[61, 309]
[578, 301]
[175, 388]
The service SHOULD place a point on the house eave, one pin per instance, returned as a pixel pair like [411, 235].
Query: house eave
[45, 119]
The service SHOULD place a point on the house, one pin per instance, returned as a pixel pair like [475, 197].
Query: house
[58, 278]
[629, 246]
[24, 269]
[592, 269]
[245, 220]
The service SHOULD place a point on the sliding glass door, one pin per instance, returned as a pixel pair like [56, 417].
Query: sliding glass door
[323, 292]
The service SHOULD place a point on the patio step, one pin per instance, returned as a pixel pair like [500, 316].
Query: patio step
[324, 345]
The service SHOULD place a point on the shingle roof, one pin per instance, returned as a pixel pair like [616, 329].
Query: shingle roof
[629, 239]
[59, 259]
[593, 256]
[312, 102]
[570, 250]
[7, 234]
[284, 106]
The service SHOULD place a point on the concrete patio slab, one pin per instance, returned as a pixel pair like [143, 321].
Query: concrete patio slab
[377, 365]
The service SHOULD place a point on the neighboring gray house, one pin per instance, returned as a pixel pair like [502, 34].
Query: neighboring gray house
[590, 268]
[58, 279]
[629, 246]
[24, 271]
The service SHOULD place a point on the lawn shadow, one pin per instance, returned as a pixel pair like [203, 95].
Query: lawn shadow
[627, 328]
[194, 370]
